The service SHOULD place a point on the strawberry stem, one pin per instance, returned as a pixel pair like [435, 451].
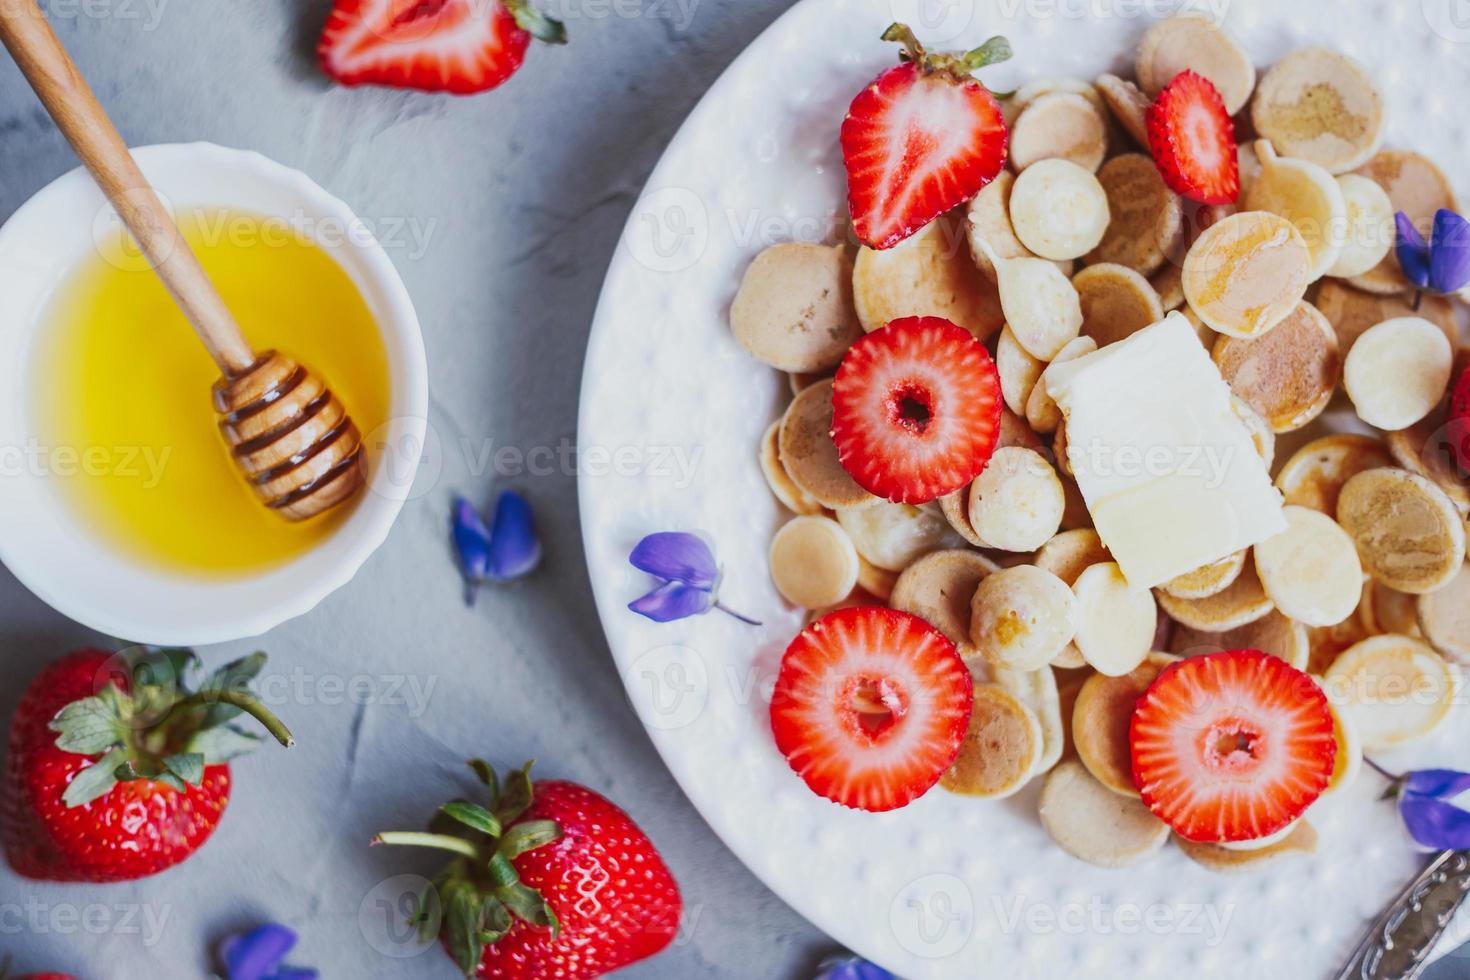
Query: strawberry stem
[247, 703]
[439, 842]
[903, 34]
[959, 66]
[992, 52]
[740, 616]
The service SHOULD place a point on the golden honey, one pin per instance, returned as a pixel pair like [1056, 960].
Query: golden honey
[120, 405]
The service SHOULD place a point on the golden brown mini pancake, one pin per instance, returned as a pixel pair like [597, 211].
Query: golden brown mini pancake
[1059, 125]
[1315, 475]
[1128, 104]
[1001, 747]
[1416, 187]
[1246, 273]
[1287, 375]
[1352, 311]
[783, 488]
[1444, 617]
[1425, 448]
[809, 454]
[1146, 218]
[1100, 724]
[1273, 633]
[938, 588]
[1211, 579]
[1409, 535]
[813, 563]
[794, 310]
[1393, 689]
[1320, 106]
[1095, 825]
[1116, 302]
[1196, 42]
[1234, 860]
[1242, 603]
[930, 274]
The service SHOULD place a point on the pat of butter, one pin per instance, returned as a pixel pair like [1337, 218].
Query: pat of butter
[1168, 470]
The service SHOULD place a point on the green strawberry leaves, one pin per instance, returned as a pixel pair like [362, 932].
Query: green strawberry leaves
[91, 725]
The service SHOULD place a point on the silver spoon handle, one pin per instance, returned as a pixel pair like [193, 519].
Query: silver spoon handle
[1398, 944]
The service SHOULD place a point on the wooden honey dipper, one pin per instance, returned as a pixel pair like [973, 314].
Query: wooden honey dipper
[287, 432]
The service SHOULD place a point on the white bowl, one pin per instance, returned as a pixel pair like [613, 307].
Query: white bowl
[44, 542]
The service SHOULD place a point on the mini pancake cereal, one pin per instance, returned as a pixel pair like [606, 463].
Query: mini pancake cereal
[1393, 689]
[1115, 621]
[1196, 42]
[1384, 610]
[1040, 305]
[1168, 282]
[1146, 219]
[813, 562]
[929, 274]
[1349, 759]
[1444, 617]
[1236, 860]
[1273, 633]
[1211, 579]
[1352, 311]
[1321, 106]
[1018, 371]
[810, 456]
[1369, 231]
[799, 381]
[1095, 825]
[1059, 125]
[1315, 475]
[794, 310]
[1071, 553]
[877, 582]
[1001, 748]
[1059, 210]
[783, 488]
[1042, 413]
[1100, 723]
[1022, 617]
[1408, 534]
[1262, 438]
[1416, 187]
[1117, 302]
[1242, 603]
[939, 587]
[1307, 196]
[1128, 105]
[1037, 690]
[988, 221]
[893, 536]
[1425, 448]
[1246, 273]
[1397, 372]
[1016, 504]
[1311, 570]
[1287, 376]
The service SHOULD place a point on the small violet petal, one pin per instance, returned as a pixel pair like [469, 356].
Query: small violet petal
[254, 955]
[676, 556]
[1412, 250]
[671, 601]
[851, 968]
[515, 551]
[1435, 824]
[1438, 783]
[471, 541]
[1449, 258]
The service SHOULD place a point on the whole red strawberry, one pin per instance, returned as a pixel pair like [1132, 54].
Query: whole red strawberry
[115, 770]
[1457, 423]
[459, 46]
[923, 138]
[552, 882]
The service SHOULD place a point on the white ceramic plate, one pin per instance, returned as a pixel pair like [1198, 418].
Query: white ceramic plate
[672, 412]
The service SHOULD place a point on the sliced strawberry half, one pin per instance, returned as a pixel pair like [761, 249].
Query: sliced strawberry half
[459, 46]
[871, 706]
[1457, 423]
[1192, 139]
[1231, 746]
[916, 409]
[923, 138]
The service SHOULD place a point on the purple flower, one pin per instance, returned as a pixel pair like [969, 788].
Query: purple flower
[851, 968]
[507, 550]
[1422, 798]
[688, 577]
[1442, 264]
[257, 955]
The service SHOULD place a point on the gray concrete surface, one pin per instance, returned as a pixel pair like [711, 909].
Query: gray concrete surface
[509, 206]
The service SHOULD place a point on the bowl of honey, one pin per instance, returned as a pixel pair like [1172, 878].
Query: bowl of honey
[119, 503]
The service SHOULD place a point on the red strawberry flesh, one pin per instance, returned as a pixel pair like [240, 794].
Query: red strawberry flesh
[1192, 139]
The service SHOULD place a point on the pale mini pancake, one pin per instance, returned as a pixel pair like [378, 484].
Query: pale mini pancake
[1425, 448]
[1059, 452]
[1369, 232]
[1409, 535]
[1128, 104]
[1326, 643]
[1146, 219]
[1246, 273]
[1322, 106]
[782, 487]
[929, 274]
[1101, 719]
[1168, 282]
[1197, 43]
[1288, 375]
[1018, 371]
[794, 310]
[1001, 748]
[1352, 311]
[1117, 302]
[1314, 476]
[1039, 304]
[988, 221]
[1307, 196]
[1071, 553]
[1116, 621]
[1042, 412]
[1397, 372]
[1234, 860]
[1384, 610]
[809, 454]
[1260, 430]
[1016, 504]
[877, 582]
[1037, 690]
[1393, 689]
[894, 536]
[813, 563]
[1208, 580]
[1059, 125]
[1444, 617]
[1022, 617]
[1069, 685]
[956, 506]
[1416, 187]
[1095, 825]
[1311, 571]
[1242, 603]
[939, 587]
[1273, 633]
[1046, 85]
[1059, 210]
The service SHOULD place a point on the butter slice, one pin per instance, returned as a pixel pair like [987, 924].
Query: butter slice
[1166, 467]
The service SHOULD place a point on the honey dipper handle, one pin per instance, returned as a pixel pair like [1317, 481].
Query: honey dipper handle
[82, 120]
